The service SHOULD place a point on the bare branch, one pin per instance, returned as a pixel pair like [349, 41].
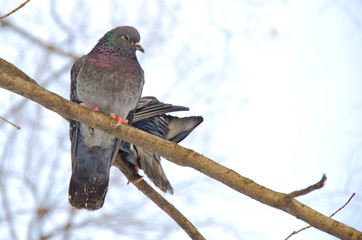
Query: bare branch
[161, 202]
[309, 189]
[14, 125]
[9, 218]
[16, 9]
[339, 209]
[296, 232]
[11, 80]
[37, 41]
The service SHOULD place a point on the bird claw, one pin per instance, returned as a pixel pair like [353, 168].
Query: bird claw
[139, 180]
[119, 119]
[135, 180]
[95, 109]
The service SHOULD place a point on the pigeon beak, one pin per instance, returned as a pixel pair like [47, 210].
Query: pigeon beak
[139, 47]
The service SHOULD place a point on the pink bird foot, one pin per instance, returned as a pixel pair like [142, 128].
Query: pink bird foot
[95, 109]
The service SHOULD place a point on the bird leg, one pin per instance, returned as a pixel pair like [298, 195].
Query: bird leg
[95, 109]
[119, 119]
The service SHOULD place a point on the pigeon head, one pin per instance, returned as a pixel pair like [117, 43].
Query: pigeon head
[123, 38]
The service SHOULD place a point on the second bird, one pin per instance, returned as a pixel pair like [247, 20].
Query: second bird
[109, 79]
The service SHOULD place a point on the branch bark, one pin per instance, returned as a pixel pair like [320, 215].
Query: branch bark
[16, 81]
[160, 201]
[309, 189]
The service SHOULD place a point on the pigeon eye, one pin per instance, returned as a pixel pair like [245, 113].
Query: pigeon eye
[125, 37]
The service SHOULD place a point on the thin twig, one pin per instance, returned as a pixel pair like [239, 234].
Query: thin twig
[339, 209]
[16, 126]
[309, 189]
[295, 232]
[16, 9]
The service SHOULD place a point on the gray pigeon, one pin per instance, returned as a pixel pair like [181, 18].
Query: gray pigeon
[150, 117]
[108, 79]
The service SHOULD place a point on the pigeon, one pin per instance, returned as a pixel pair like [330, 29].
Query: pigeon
[150, 116]
[108, 79]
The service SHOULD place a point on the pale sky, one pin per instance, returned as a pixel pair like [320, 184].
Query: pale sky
[279, 109]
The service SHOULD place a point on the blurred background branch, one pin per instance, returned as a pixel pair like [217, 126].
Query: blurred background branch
[46, 47]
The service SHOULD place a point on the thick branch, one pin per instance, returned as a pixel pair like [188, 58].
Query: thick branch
[11, 80]
[161, 202]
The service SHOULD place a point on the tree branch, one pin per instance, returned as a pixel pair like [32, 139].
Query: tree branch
[14, 80]
[305, 228]
[161, 202]
[309, 189]
[12, 124]
[16, 9]
[37, 41]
